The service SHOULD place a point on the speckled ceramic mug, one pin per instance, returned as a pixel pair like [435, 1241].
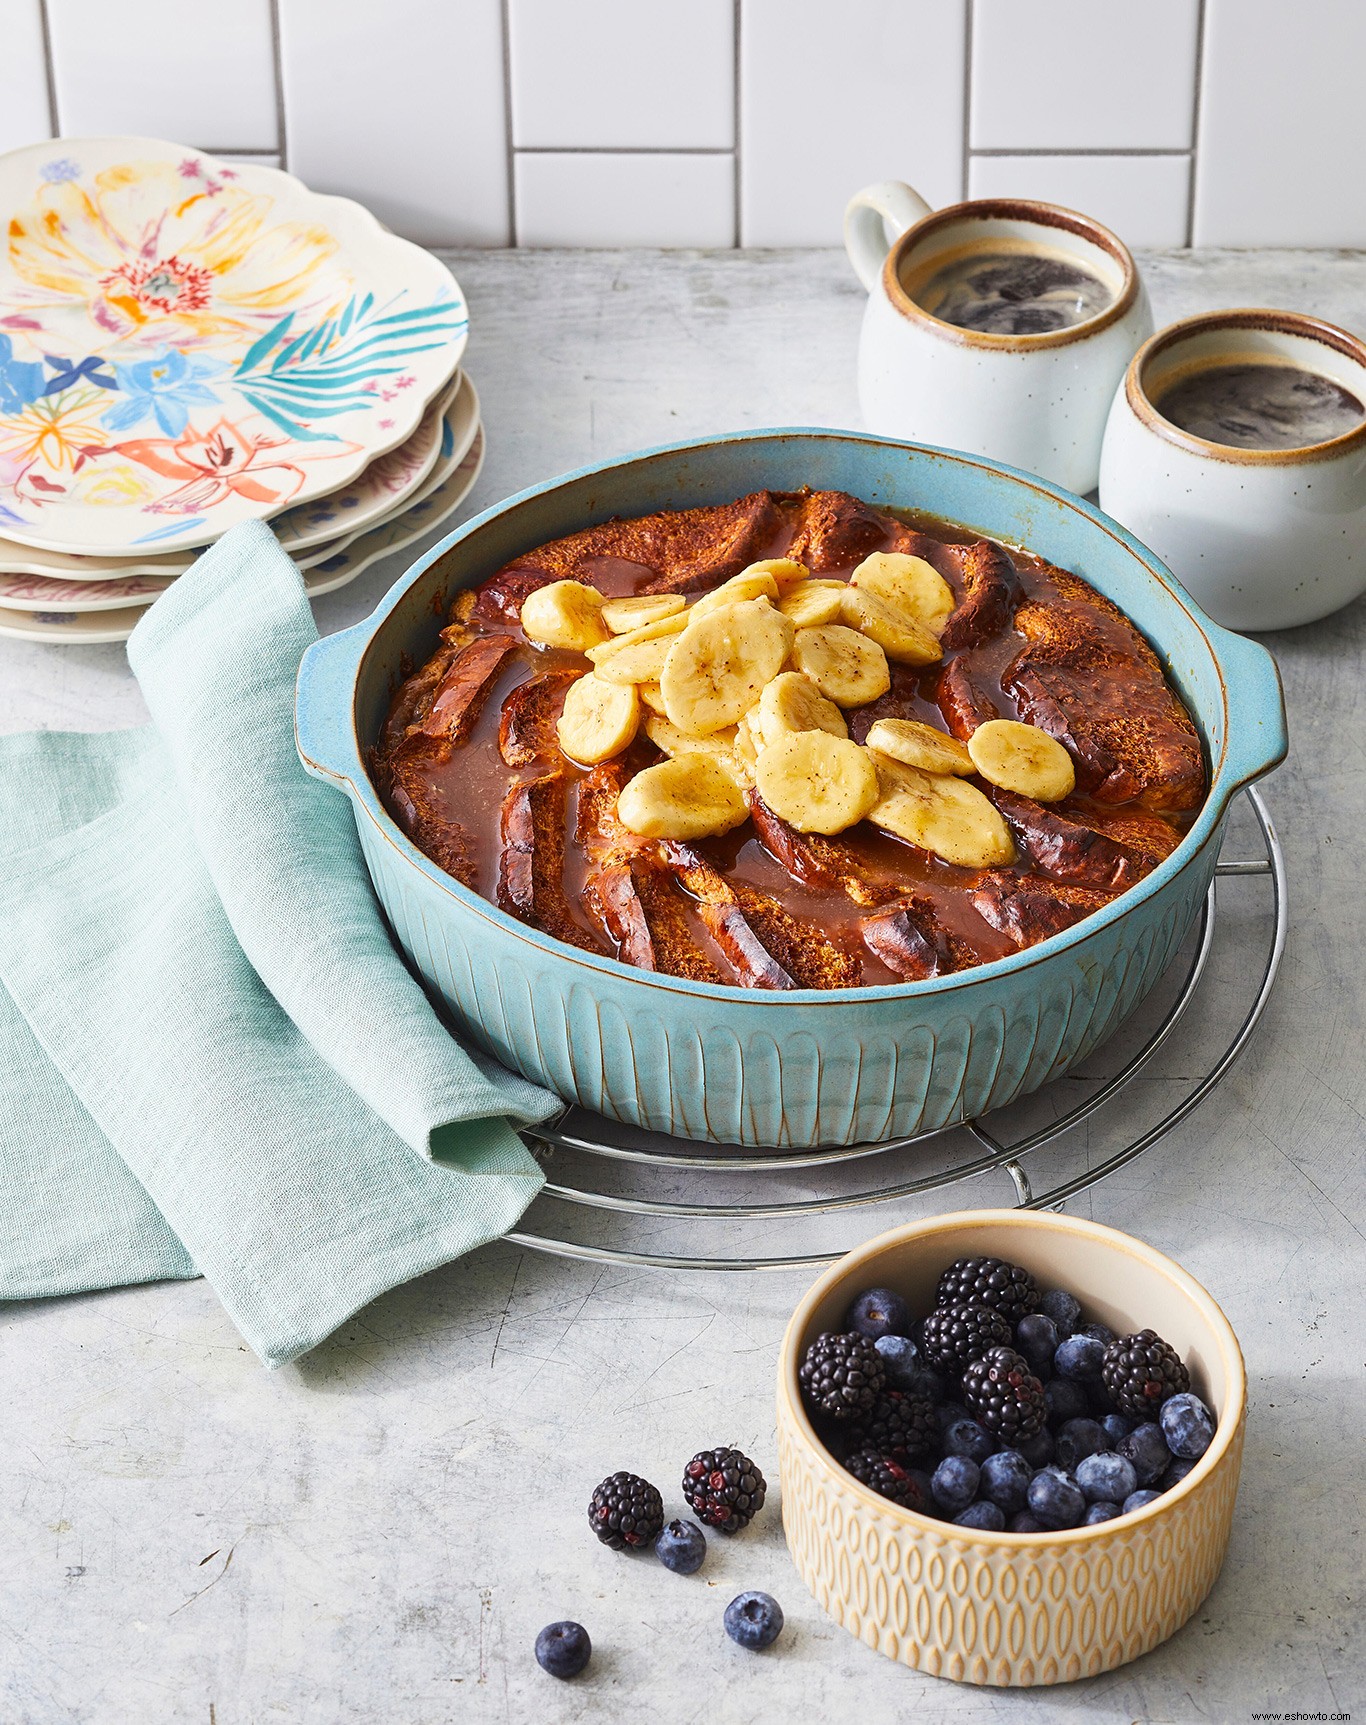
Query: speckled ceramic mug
[1035, 401]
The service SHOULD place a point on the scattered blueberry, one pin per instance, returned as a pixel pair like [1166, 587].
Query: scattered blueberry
[1036, 1336]
[755, 1620]
[563, 1649]
[1038, 1450]
[1138, 1499]
[1102, 1402]
[1080, 1359]
[966, 1437]
[954, 1483]
[1024, 1522]
[1098, 1512]
[983, 1515]
[924, 1382]
[1056, 1500]
[902, 1360]
[948, 1413]
[1076, 1439]
[1101, 1333]
[1147, 1449]
[1063, 1308]
[879, 1312]
[682, 1547]
[1180, 1467]
[1188, 1426]
[1064, 1400]
[1106, 1477]
[1117, 1426]
[1005, 1480]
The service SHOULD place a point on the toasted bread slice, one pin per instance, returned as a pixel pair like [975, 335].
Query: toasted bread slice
[814, 860]
[526, 723]
[1064, 847]
[1031, 910]
[531, 862]
[990, 590]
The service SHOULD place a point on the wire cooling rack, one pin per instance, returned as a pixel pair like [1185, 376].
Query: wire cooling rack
[616, 1194]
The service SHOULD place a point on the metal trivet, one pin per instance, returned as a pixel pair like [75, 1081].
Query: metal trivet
[616, 1194]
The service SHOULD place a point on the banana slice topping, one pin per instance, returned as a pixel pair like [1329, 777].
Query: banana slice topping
[816, 782]
[845, 666]
[1022, 758]
[623, 615]
[918, 745]
[685, 797]
[598, 719]
[717, 668]
[792, 702]
[564, 614]
[909, 582]
[941, 814]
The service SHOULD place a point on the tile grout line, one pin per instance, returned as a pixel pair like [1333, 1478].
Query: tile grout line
[53, 118]
[509, 146]
[1082, 151]
[1200, 26]
[736, 230]
[969, 32]
[281, 118]
[624, 150]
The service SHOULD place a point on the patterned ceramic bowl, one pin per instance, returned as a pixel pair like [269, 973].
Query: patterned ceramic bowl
[1025, 1608]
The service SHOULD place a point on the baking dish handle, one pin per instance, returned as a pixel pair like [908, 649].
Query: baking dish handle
[324, 705]
[1254, 702]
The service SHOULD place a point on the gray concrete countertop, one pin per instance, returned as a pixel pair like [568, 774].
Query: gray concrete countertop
[377, 1533]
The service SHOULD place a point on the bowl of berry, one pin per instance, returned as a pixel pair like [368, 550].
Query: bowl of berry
[1009, 1445]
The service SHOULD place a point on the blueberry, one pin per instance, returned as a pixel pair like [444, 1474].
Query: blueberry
[1024, 1522]
[1117, 1426]
[1147, 1449]
[1100, 1399]
[1137, 1499]
[1064, 1401]
[983, 1515]
[954, 1483]
[1098, 1512]
[1056, 1500]
[1188, 1426]
[948, 1413]
[754, 1619]
[1180, 1467]
[1106, 1477]
[1036, 1336]
[1038, 1450]
[924, 1383]
[1005, 1480]
[966, 1437]
[1063, 1308]
[1080, 1359]
[1078, 1438]
[901, 1357]
[563, 1649]
[924, 1485]
[682, 1547]
[1101, 1333]
[878, 1312]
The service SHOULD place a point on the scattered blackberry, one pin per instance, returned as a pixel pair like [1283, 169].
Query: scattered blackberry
[1006, 1288]
[1005, 1395]
[1141, 1371]
[723, 1488]
[956, 1335]
[843, 1375]
[882, 1474]
[626, 1510]
[900, 1425]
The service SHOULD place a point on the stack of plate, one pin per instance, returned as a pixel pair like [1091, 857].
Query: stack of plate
[185, 345]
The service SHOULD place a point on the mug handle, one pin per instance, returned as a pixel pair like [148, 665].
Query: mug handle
[873, 219]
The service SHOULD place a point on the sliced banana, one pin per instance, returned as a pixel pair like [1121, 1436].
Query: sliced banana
[917, 745]
[811, 603]
[941, 814]
[687, 797]
[792, 702]
[892, 626]
[749, 738]
[564, 614]
[1022, 758]
[845, 666]
[720, 746]
[911, 582]
[650, 697]
[784, 570]
[638, 657]
[717, 667]
[816, 782]
[623, 615]
[755, 582]
[598, 719]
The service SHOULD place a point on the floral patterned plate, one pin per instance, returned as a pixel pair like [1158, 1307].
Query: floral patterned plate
[83, 628]
[185, 345]
[20, 591]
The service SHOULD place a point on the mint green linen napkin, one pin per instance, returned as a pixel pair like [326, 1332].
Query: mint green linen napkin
[213, 1056]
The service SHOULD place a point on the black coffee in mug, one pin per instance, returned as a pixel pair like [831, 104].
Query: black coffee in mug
[1260, 405]
[1010, 289]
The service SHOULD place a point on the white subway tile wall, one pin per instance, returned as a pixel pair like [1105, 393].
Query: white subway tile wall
[716, 122]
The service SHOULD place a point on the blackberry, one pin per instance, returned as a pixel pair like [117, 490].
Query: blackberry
[723, 1488]
[1006, 1288]
[626, 1510]
[843, 1375]
[956, 1335]
[886, 1476]
[1005, 1395]
[1141, 1371]
[900, 1425]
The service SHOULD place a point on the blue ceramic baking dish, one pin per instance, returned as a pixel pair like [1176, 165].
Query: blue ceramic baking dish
[801, 1068]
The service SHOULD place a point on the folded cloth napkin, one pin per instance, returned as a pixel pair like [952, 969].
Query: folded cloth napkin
[212, 1059]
